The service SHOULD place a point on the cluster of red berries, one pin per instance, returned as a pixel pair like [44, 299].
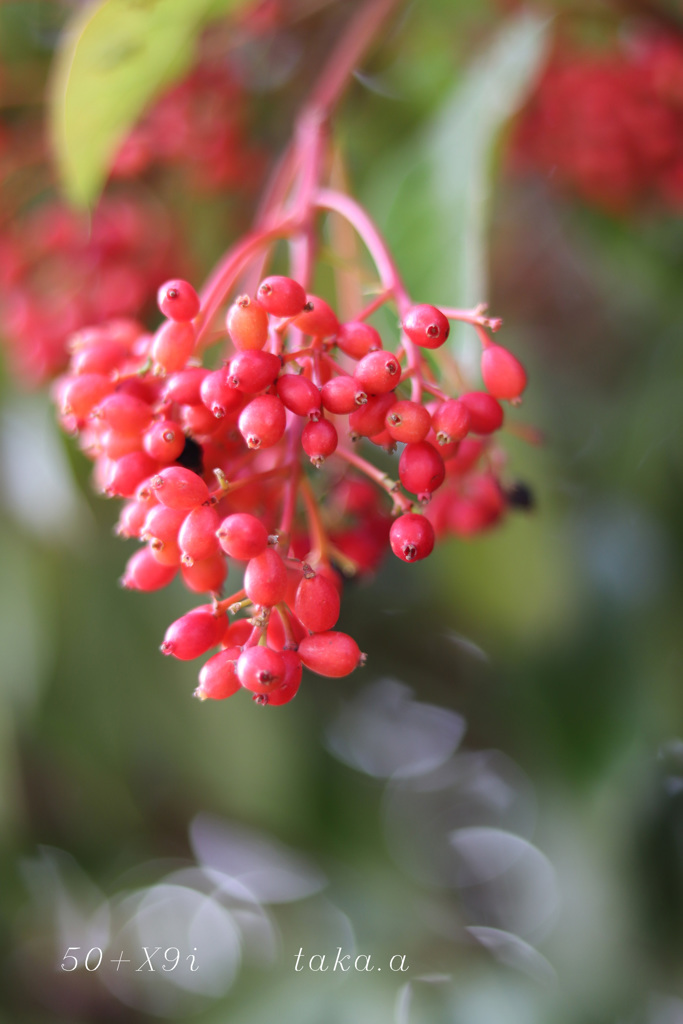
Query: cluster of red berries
[60, 270]
[222, 462]
[608, 124]
[199, 128]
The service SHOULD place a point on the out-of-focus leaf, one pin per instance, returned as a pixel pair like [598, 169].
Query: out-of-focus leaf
[115, 57]
[436, 193]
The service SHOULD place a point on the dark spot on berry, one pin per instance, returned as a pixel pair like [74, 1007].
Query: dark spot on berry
[191, 457]
[520, 495]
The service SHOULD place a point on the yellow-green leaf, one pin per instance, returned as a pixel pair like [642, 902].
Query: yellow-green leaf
[115, 57]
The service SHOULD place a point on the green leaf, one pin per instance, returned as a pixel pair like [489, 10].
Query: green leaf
[436, 194]
[115, 57]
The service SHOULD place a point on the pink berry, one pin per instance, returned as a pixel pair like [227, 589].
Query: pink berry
[299, 394]
[173, 345]
[262, 422]
[288, 688]
[242, 536]
[378, 372]
[177, 487]
[342, 395]
[265, 578]
[281, 296]
[82, 394]
[194, 634]
[331, 653]
[218, 677]
[317, 603]
[260, 669]
[411, 537]
[356, 339]
[164, 441]
[143, 572]
[178, 300]
[131, 519]
[486, 414]
[247, 324]
[319, 440]
[451, 421]
[197, 536]
[163, 523]
[368, 419]
[127, 473]
[317, 319]
[503, 374]
[421, 469]
[426, 326]
[253, 371]
[124, 412]
[205, 576]
[184, 387]
[218, 394]
[408, 421]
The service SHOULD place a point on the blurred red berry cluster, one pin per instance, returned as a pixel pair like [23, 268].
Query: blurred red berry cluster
[61, 269]
[221, 462]
[607, 123]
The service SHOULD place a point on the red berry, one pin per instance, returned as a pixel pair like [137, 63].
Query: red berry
[342, 395]
[205, 576]
[503, 374]
[265, 578]
[408, 421]
[421, 469]
[368, 419]
[426, 326]
[184, 387]
[131, 519]
[82, 394]
[253, 371]
[164, 441]
[127, 473]
[218, 394]
[317, 319]
[197, 536]
[260, 669]
[411, 537]
[319, 440]
[194, 634]
[143, 572]
[486, 414]
[451, 421]
[356, 339]
[317, 603]
[378, 372]
[247, 324]
[103, 357]
[299, 395]
[330, 654]
[242, 536]
[288, 688]
[165, 552]
[262, 422]
[198, 421]
[281, 296]
[173, 345]
[163, 523]
[177, 487]
[466, 456]
[237, 633]
[178, 300]
[218, 677]
[124, 412]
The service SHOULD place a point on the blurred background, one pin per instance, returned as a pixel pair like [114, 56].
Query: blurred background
[498, 796]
